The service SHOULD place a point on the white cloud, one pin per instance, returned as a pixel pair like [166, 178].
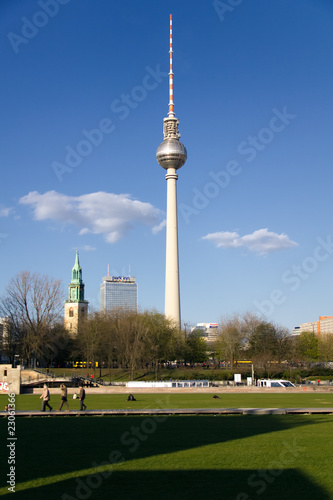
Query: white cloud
[261, 241]
[88, 248]
[112, 215]
[159, 227]
[5, 212]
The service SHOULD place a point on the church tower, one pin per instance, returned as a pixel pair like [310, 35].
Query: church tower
[76, 308]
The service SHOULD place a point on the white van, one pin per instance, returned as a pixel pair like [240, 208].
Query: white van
[274, 383]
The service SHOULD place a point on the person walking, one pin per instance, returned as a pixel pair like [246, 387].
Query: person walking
[46, 398]
[82, 397]
[63, 397]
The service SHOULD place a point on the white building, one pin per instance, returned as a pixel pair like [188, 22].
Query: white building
[324, 325]
[209, 331]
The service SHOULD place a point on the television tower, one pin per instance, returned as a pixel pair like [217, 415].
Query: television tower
[171, 155]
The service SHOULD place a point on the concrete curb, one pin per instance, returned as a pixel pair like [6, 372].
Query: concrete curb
[174, 411]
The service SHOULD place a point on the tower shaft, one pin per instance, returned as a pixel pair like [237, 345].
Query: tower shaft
[172, 293]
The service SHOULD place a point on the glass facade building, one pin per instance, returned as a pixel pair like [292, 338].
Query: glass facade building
[119, 292]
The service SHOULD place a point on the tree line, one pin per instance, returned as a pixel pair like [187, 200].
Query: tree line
[34, 332]
[249, 337]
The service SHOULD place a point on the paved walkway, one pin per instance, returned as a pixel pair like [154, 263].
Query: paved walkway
[175, 411]
[187, 390]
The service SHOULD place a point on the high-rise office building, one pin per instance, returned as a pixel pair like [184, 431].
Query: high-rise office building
[171, 155]
[119, 292]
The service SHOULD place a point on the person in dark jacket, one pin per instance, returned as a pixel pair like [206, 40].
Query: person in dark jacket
[63, 397]
[82, 397]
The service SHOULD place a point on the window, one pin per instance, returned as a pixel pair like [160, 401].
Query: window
[71, 313]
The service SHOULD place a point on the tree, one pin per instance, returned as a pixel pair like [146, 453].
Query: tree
[263, 344]
[10, 340]
[307, 347]
[56, 345]
[250, 322]
[161, 340]
[325, 346]
[230, 340]
[284, 344]
[89, 342]
[131, 337]
[32, 304]
[110, 346]
[195, 349]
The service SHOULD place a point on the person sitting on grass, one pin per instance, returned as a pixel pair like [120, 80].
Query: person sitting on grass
[131, 398]
[216, 397]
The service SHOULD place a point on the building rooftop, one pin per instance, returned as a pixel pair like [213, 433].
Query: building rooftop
[122, 279]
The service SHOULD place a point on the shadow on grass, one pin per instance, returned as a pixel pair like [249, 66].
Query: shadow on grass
[249, 484]
[49, 448]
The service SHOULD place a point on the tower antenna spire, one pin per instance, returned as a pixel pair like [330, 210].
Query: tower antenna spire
[171, 111]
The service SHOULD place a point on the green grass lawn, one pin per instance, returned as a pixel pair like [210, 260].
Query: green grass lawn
[183, 400]
[225, 457]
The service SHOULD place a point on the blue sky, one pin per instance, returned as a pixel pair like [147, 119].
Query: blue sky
[84, 90]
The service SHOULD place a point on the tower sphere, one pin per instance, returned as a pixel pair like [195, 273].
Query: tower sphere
[171, 154]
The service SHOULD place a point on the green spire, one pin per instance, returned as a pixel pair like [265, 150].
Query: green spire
[77, 271]
[76, 286]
